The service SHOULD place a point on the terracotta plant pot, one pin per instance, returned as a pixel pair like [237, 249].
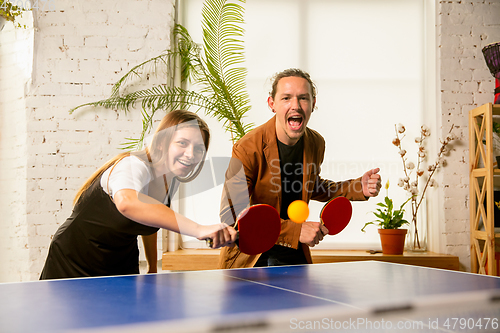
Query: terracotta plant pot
[393, 240]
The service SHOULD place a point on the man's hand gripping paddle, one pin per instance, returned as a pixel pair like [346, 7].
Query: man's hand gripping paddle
[259, 227]
[336, 215]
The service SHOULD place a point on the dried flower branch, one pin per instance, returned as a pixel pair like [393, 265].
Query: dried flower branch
[413, 186]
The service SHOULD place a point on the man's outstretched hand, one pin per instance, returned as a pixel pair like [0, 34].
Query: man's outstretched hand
[372, 182]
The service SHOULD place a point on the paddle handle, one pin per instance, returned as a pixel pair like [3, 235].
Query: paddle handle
[323, 223]
[210, 241]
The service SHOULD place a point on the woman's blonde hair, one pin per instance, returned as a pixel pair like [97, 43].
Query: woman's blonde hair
[161, 138]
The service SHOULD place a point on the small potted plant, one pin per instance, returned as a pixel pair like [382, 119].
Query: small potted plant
[390, 221]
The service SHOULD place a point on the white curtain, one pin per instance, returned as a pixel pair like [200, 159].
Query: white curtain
[367, 60]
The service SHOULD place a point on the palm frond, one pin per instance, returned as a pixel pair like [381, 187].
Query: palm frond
[147, 124]
[224, 56]
[142, 69]
[189, 54]
[156, 98]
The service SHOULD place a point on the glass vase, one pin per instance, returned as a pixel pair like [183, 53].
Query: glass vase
[417, 233]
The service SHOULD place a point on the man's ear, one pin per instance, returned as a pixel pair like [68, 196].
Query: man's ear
[314, 104]
[270, 103]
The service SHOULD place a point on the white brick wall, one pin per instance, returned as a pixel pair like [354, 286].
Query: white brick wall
[81, 49]
[16, 52]
[464, 28]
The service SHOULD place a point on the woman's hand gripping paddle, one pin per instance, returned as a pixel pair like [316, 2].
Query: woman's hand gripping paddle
[336, 215]
[259, 227]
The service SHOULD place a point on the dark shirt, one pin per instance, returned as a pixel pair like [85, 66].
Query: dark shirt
[291, 165]
[96, 240]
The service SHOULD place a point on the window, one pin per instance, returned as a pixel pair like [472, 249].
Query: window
[367, 59]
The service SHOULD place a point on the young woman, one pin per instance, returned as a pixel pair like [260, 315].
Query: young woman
[130, 196]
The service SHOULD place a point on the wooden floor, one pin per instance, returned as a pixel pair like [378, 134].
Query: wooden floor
[203, 259]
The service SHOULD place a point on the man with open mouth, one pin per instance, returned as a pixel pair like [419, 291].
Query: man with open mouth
[280, 162]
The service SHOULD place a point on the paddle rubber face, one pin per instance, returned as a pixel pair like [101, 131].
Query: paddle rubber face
[336, 215]
[259, 227]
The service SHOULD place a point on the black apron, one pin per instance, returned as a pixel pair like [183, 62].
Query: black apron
[96, 240]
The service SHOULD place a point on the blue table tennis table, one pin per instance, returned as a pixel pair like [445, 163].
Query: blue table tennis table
[355, 296]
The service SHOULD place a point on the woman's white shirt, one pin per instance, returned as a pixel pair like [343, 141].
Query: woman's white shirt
[130, 173]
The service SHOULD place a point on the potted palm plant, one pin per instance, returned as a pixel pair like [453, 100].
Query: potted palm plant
[216, 67]
[390, 221]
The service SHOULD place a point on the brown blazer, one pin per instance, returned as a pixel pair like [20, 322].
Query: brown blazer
[257, 155]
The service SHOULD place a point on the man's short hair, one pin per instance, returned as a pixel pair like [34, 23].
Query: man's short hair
[290, 73]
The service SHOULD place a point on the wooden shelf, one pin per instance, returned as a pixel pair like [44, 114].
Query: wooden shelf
[481, 186]
[204, 259]
[190, 260]
[425, 259]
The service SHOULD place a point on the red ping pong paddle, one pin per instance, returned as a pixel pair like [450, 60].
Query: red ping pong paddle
[336, 215]
[259, 227]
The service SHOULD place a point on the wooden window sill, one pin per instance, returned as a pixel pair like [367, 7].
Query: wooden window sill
[204, 259]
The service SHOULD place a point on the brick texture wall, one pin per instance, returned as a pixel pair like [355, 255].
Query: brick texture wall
[463, 29]
[16, 53]
[80, 49]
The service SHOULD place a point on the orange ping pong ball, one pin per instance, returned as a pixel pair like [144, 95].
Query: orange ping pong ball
[298, 211]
